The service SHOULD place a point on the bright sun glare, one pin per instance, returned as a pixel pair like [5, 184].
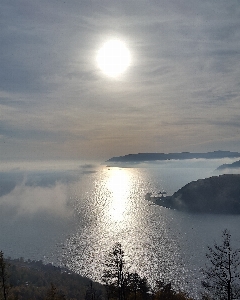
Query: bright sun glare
[113, 58]
[119, 184]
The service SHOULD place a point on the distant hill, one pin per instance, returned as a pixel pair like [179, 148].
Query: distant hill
[140, 157]
[217, 195]
[234, 165]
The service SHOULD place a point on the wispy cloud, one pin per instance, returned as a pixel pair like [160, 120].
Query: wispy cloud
[185, 66]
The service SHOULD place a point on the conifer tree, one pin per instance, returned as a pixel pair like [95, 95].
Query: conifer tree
[113, 274]
[3, 276]
[222, 275]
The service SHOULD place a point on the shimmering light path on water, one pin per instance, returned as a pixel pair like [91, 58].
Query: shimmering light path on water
[73, 215]
[114, 210]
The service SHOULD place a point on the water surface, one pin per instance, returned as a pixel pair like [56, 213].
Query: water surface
[74, 216]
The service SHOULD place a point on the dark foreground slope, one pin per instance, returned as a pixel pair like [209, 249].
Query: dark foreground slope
[217, 195]
[33, 280]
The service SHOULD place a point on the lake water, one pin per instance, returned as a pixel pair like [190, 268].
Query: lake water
[73, 216]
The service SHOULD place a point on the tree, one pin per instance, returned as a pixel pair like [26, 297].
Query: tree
[164, 291]
[3, 276]
[222, 275]
[119, 283]
[52, 294]
[113, 275]
[90, 292]
[136, 286]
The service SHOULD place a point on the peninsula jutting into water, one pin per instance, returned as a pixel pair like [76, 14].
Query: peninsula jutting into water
[140, 157]
[214, 195]
[234, 165]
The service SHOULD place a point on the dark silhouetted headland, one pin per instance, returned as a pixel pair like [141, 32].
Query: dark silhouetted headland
[216, 195]
[140, 157]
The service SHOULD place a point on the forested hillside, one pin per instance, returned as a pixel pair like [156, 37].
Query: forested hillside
[37, 281]
[32, 280]
[215, 195]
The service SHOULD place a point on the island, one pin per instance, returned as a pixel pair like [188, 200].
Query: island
[215, 195]
[141, 157]
[234, 165]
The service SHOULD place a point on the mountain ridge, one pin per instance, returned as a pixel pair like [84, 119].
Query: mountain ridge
[234, 165]
[140, 157]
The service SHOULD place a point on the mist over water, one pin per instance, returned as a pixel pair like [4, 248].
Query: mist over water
[73, 217]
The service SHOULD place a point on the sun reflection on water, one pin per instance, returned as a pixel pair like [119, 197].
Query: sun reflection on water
[119, 185]
[111, 209]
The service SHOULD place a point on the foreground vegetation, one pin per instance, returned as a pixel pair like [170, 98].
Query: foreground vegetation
[37, 281]
[33, 280]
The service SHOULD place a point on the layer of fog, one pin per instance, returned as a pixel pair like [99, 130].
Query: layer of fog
[37, 207]
[37, 210]
[184, 163]
[36, 188]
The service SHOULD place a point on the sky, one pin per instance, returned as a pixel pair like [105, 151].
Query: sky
[181, 91]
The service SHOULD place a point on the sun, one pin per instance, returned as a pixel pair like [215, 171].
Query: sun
[113, 58]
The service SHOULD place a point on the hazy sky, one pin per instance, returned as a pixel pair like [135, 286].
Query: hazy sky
[181, 91]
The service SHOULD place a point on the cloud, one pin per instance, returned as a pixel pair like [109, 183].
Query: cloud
[16, 177]
[35, 192]
[10, 131]
[32, 200]
[8, 181]
[53, 98]
[45, 179]
[49, 179]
